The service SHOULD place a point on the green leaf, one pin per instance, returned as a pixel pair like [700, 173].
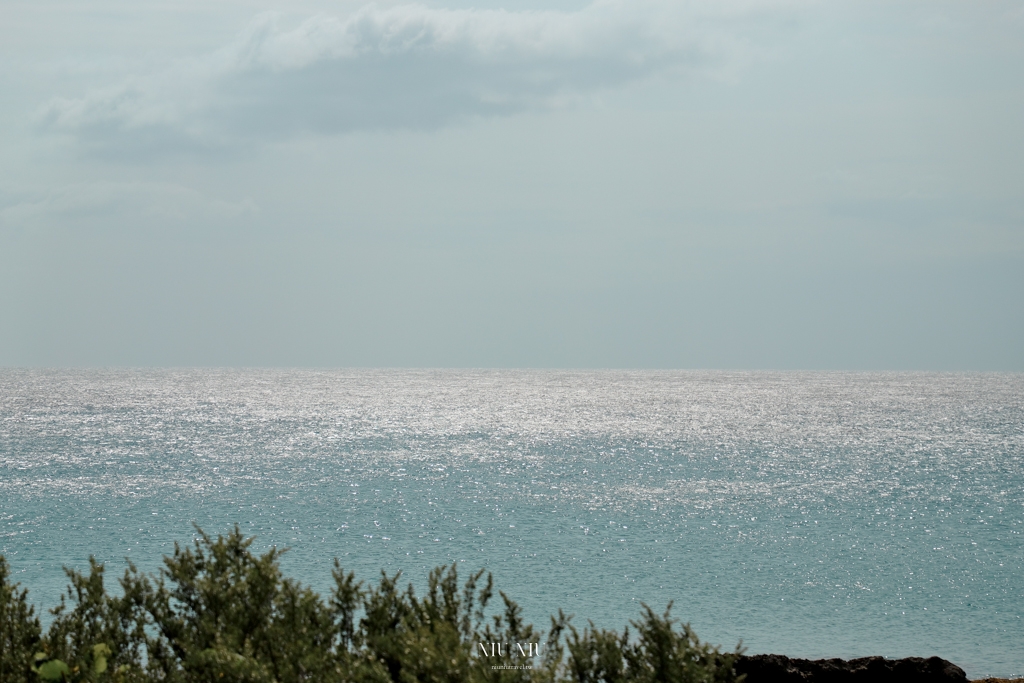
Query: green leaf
[100, 653]
[54, 670]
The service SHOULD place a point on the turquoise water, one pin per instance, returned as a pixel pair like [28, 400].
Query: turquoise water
[810, 514]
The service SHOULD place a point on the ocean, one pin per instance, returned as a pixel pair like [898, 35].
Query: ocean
[808, 514]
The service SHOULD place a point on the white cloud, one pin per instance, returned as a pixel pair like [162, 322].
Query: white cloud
[408, 66]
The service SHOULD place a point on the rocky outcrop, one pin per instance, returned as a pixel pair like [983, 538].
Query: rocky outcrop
[779, 669]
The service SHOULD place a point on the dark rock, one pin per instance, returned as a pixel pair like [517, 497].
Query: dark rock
[779, 669]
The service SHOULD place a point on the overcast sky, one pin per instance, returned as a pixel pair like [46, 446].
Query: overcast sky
[691, 184]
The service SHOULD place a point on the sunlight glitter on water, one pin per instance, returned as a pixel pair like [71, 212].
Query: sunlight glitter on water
[812, 514]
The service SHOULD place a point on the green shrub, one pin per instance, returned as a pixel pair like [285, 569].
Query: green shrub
[97, 636]
[20, 632]
[658, 654]
[218, 613]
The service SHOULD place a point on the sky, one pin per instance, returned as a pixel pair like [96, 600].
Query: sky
[735, 184]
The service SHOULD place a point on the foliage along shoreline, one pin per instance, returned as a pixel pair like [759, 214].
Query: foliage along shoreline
[218, 613]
